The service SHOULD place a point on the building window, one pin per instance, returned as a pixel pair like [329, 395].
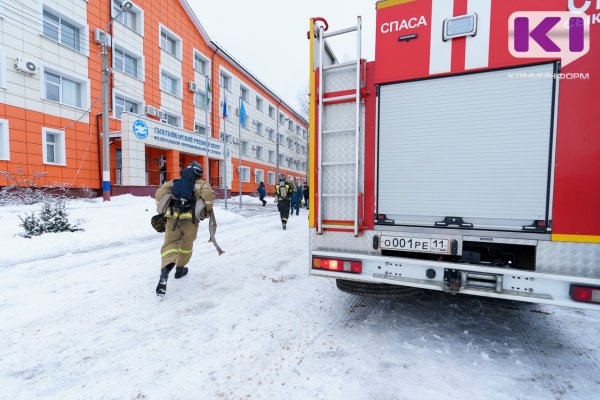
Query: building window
[259, 175]
[291, 125]
[271, 178]
[225, 81]
[259, 152]
[271, 133]
[259, 103]
[200, 129]
[281, 118]
[61, 30]
[53, 142]
[126, 62]
[245, 94]
[281, 159]
[170, 83]
[281, 138]
[272, 156]
[245, 174]
[200, 63]
[63, 89]
[170, 119]
[132, 18]
[170, 43]
[4, 142]
[201, 100]
[124, 105]
[303, 133]
[244, 148]
[297, 129]
[226, 137]
[271, 112]
[259, 128]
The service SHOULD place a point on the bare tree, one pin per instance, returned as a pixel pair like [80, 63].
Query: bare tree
[303, 100]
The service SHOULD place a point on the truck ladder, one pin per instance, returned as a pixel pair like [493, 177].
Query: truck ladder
[342, 196]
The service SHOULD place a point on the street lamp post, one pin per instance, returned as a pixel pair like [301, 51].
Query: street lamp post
[105, 124]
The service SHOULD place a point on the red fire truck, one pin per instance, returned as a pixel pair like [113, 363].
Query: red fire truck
[449, 164]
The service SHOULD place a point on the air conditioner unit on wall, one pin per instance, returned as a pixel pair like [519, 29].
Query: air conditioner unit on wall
[193, 86]
[28, 67]
[153, 111]
[101, 37]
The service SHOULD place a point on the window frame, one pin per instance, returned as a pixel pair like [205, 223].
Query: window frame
[62, 149]
[201, 125]
[259, 128]
[5, 140]
[135, 9]
[80, 24]
[269, 180]
[243, 168]
[171, 114]
[244, 144]
[260, 103]
[259, 172]
[203, 105]
[139, 103]
[272, 112]
[203, 58]
[176, 38]
[84, 86]
[245, 91]
[272, 159]
[260, 149]
[179, 89]
[225, 77]
[131, 54]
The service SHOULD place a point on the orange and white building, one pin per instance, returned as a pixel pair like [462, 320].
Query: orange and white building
[161, 108]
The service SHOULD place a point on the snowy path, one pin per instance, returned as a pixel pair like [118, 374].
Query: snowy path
[253, 324]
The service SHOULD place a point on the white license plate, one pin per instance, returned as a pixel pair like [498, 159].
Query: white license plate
[422, 245]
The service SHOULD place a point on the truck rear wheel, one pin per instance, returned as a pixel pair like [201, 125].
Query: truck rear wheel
[379, 290]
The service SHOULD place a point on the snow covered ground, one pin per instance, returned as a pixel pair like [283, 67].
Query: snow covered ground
[80, 320]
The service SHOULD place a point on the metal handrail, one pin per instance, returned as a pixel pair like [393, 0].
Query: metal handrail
[356, 179]
[319, 134]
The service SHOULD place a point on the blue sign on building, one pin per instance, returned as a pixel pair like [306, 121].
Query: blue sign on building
[140, 129]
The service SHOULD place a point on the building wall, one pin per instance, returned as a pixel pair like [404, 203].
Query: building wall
[26, 110]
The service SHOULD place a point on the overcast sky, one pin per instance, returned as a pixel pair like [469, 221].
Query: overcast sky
[269, 37]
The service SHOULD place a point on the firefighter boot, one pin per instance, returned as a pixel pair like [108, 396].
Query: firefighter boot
[161, 288]
[180, 272]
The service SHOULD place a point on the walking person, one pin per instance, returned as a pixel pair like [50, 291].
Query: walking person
[184, 201]
[305, 193]
[283, 192]
[262, 192]
[296, 200]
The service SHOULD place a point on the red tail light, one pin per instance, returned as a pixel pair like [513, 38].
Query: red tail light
[586, 294]
[336, 264]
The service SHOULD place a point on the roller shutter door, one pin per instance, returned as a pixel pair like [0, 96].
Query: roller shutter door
[473, 146]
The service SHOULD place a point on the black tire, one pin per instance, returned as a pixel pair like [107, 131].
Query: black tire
[377, 290]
